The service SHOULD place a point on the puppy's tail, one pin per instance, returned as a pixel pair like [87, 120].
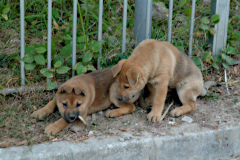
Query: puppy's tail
[207, 85]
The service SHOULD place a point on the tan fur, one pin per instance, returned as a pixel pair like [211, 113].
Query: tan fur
[161, 66]
[93, 91]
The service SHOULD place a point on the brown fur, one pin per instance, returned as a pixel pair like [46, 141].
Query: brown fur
[85, 94]
[161, 66]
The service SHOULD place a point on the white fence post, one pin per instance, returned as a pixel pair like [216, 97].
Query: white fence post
[22, 41]
[100, 15]
[49, 35]
[74, 35]
[142, 20]
[219, 40]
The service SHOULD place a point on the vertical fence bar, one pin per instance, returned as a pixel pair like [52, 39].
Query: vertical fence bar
[100, 14]
[74, 35]
[22, 41]
[125, 4]
[49, 35]
[191, 28]
[149, 19]
[170, 11]
[142, 20]
[219, 39]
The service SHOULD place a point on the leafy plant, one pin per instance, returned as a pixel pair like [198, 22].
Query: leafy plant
[207, 26]
[49, 73]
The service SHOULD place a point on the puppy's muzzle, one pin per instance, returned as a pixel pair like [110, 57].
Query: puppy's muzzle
[119, 98]
[71, 117]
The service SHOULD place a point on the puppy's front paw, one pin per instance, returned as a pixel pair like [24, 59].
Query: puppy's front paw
[78, 126]
[52, 129]
[154, 117]
[113, 113]
[178, 111]
[38, 114]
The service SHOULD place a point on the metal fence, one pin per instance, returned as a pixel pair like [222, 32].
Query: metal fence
[143, 33]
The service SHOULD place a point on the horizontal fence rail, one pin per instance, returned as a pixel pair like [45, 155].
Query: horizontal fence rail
[146, 31]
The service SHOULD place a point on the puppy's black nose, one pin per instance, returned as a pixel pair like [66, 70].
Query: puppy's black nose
[72, 117]
[120, 98]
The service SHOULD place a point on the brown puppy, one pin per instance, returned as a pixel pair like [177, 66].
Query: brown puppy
[85, 94]
[160, 65]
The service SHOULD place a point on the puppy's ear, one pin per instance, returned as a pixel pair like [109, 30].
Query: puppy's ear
[65, 89]
[132, 76]
[117, 68]
[79, 91]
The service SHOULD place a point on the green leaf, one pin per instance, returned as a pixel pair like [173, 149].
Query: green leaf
[90, 68]
[212, 31]
[205, 20]
[29, 66]
[180, 48]
[96, 54]
[41, 50]
[53, 48]
[218, 58]
[66, 50]
[97, 46]
[188, 11]
[40, 59]
[58, 58]
[224, 56]
[87, 56]
[29, 49]
[225, 65]
[207, 57]
[215, 65]
[51, 85]
[6, 9]
[58, 64]
[181, 3]
[84, 70]
[81, 39]
[28, 58]
[236, 35]
[198, 62]
[63, 70]
[47, 72]
[5, 17]
[79, 64]
[229, 60]
[78, 67]
[80, 46]
[231, 50]
[204, 26]
[215, 19]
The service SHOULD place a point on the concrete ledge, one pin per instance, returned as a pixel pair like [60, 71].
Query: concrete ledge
[217, 144]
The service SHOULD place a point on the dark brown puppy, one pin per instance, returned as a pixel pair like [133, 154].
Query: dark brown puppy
[160, 65]
[85, 94]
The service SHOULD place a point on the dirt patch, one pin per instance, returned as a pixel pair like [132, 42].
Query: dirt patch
[217, 110]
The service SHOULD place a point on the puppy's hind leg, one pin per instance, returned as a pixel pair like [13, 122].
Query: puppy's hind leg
[49, 108]
[187, 95]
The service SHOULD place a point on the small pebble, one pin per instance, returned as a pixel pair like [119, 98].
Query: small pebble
[90, 133]
[187, 119]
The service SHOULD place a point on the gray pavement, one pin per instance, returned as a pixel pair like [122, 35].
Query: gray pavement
[207, 145]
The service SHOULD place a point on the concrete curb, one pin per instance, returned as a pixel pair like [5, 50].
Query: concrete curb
[217, 144]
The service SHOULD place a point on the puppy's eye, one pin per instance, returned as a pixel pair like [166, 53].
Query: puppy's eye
[78, 105]
[65, 105]
[126, 87]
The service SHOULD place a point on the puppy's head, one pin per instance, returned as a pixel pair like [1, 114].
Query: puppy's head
[72, 101]
[129, 78]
